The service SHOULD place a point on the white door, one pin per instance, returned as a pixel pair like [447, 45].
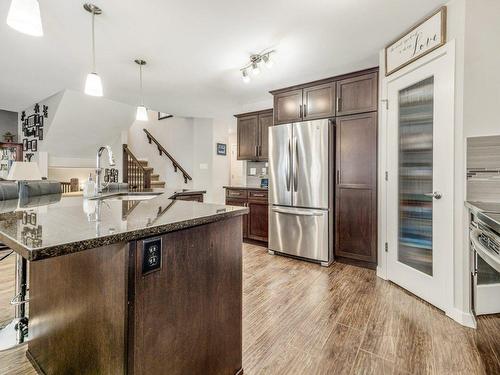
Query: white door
[420, 179]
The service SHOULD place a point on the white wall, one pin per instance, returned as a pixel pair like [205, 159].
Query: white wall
[77, 125]
[192, 142]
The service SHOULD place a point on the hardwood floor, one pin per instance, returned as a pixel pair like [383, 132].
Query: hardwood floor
[299, 318]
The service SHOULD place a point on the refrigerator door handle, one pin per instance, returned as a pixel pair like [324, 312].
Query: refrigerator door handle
[295, 165]
[297, 213]
[288, 164]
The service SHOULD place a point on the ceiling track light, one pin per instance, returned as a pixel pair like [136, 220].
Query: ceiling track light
[142, 112]
[24, 16]
[93, 84]
[255, 62]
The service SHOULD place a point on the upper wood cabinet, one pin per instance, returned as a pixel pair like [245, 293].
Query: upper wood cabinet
[288, 107]
[357, 94]
[319, 101]
[343, 95]
[265, 121]
[305, 104]
[247, 133]
[252, 135]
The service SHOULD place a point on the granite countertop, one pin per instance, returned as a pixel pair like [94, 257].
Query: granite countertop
[244, 187]
[55, 225]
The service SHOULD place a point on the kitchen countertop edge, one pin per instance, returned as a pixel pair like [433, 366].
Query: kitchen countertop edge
[38, 254]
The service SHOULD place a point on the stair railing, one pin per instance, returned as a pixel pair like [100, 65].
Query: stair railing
[162, 151]
[134, 173]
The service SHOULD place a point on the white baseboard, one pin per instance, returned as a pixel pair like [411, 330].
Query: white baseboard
[381, 273]
[461, 317]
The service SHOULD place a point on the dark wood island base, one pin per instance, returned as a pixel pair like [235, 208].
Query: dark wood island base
[101, 311]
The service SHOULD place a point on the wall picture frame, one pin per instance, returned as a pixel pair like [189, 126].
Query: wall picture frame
[163, 115]
[34, 145]
[25, 144]
[423, 38]
[221, 149]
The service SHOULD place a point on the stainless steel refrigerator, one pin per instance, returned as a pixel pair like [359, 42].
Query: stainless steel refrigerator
[300, 190]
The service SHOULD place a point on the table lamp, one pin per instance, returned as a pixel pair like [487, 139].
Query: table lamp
[24, 171]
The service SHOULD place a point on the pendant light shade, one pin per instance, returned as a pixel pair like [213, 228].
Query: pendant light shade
[93, 85]
[24, 16]
[142, 113]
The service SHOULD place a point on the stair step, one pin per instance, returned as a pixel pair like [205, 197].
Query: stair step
[143, 162]
[155, 177]
[158, 184]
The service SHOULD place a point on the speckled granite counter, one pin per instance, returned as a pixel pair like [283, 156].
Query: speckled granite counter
[52, 226]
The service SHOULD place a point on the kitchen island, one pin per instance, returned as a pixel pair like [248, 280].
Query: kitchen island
[137, 284]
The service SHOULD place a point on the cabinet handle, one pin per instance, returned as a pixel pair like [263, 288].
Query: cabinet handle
[305, 110]
[258, 195]
[300, 111]
[338, 176]
[338, 104]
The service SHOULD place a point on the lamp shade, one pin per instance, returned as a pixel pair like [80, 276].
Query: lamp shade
[142, 113]
[24, 16]
[24, 171]
[93, 85]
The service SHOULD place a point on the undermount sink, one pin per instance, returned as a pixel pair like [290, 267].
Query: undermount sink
[128, 196]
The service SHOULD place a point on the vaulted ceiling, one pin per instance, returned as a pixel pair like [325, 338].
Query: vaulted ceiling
[194, 49]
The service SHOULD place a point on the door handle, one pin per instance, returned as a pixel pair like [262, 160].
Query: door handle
[288, 164]
[295, 165]
[338, 104]
[435, 195]
[296, 213]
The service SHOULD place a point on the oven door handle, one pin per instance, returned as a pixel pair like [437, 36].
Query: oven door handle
[486, 254]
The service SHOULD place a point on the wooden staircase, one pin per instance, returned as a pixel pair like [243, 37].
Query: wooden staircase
[155, 178]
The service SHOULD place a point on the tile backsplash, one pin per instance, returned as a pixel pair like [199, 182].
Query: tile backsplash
[483, 169]
[255, 171]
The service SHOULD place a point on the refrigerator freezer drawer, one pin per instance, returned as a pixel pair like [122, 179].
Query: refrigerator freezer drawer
[299, 232]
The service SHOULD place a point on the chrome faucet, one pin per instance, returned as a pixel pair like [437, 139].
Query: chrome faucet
[98, 170]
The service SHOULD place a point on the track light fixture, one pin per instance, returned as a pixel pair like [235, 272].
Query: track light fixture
[254, 64]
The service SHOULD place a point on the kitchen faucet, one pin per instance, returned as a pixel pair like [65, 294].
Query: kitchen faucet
[98, 167]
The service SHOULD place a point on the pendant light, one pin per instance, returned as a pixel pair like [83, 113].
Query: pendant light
[142, 112]
[93, 84]
[24, 16]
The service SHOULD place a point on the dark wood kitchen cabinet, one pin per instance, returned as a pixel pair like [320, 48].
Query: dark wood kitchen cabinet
[356, 187]
[252, 134]
[351, 101]
[255, 224]
[288, 107]
[357, 94]
[309, 103]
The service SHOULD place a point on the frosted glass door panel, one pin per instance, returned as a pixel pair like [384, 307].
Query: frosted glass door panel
[416, 104]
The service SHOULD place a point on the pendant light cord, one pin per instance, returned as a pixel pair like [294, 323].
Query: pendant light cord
[140, 80]
[93, 43]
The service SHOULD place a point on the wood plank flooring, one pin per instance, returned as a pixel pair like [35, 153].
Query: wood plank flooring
[299, 318]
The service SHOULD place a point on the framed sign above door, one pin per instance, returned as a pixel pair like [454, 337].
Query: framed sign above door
[421, 39]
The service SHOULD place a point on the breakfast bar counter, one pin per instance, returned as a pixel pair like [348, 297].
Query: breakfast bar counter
[130, 283]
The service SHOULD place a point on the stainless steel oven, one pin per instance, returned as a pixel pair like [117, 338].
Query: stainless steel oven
[485, 261]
